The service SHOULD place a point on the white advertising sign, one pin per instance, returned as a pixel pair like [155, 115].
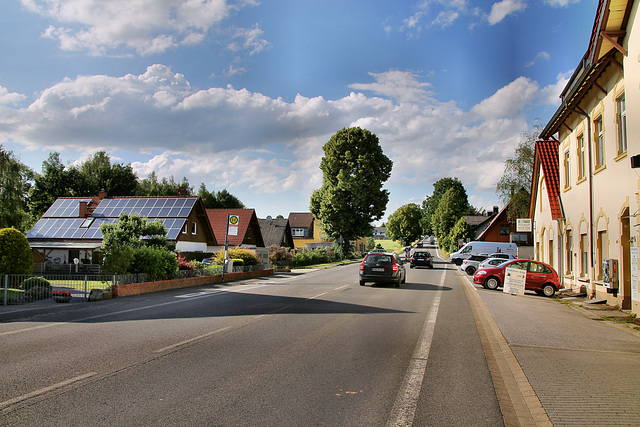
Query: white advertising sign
[634, 274]
[523, 225]
[514, 281]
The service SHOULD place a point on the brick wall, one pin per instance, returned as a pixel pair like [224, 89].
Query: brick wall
[163, 285]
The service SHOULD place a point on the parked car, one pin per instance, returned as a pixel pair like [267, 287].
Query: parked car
[491, 262]
[382, 267]
[541, 277]
[470, 265]
[421, 258]
[502, 255]
[478, 247]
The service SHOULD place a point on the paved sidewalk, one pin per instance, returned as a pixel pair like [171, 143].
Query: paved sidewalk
[556, 364]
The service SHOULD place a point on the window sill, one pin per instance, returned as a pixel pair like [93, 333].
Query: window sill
[581, 180]
[599, 169]
[620, 156]
[565, 189]
[583, 279]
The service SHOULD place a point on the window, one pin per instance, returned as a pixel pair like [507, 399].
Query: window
[567, 168]
[603, 251]
[621, 112]
[504, 230]
[185, 229]
[581, 164]
[550, 250]
[194, 229]
[599, 142]
[584, 250]
[569, 262]
[297, 232]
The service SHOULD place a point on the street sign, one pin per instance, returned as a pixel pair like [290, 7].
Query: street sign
[234, 220]
[523, 225]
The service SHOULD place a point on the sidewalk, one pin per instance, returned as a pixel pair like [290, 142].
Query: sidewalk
[558, 364]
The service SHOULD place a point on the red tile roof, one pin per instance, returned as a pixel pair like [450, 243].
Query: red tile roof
[547, 154]
[218, 219]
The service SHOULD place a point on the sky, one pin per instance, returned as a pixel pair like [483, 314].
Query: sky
[243, 94]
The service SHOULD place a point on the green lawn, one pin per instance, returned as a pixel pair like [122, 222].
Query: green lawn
[79, 284]
[390, 245]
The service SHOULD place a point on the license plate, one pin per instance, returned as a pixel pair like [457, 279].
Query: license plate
[377, 269]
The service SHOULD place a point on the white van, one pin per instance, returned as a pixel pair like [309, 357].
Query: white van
[475, 248]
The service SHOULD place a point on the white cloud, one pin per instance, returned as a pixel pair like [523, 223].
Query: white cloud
[143, 26]
[561, 3]
[10, 98]
[502, 9]
[250, 40]
[551, 94]
[541, 56]
[238, 139]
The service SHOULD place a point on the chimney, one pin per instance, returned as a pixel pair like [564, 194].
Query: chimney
[102, 195]
[182, 191]
[82, 210]
[495, 210]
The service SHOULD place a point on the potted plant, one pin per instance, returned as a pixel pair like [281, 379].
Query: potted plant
[61, 296]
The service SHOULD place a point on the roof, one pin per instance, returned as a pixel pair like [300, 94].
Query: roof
[247, 220]
[546, 160]
[301, 220]
[276, 232]
[494, 219]
[81, 217]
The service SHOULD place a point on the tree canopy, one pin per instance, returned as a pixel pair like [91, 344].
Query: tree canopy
[15, 181]
[514, 186]
[404, 223]
[452, 206]
[351, 197]
[430, 204]
[151, 186]
[219, 200]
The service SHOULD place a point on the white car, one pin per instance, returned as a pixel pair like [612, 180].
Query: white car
[470, 265]
[491, 262]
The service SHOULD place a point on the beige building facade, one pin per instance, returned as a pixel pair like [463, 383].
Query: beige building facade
[587, 209]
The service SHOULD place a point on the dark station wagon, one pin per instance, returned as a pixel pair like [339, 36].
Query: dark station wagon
[421, 259]
[382, 267]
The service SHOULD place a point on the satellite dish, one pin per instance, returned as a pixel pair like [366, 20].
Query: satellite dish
[269, 218]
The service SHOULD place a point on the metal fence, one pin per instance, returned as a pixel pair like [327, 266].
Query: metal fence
[43, 288]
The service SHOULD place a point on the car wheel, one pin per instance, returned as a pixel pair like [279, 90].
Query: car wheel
[548, 290]
[404, 279]
[492, 283]
[362, 282]
[411, 266]
[470, 271]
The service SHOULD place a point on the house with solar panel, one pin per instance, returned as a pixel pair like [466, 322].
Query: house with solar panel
[70, 228]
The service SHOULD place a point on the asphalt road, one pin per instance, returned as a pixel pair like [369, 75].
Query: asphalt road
[297, 349]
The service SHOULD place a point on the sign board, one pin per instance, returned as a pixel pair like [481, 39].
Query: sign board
[523, 225]
[234, 220]
[634, 274]
[514, 281]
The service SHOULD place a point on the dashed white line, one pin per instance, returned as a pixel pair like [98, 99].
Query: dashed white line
[190, 340]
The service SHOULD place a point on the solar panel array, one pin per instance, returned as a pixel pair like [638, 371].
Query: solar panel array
[61, 219]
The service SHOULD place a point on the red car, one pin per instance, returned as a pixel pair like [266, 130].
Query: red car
[541, 277]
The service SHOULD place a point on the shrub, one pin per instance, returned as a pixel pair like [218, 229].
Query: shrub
[35, 281]
[238, 262]
[15, 253]
[156, 263]
[248, 256]
[36, 288]
[279, 255]
[312, 257]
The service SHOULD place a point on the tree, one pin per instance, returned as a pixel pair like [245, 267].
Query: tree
[15, 181]
[370, 244]
[99, 174]
[430, 204]
[15, 253]
[404, 223]
[453, 205]
[150, 186]
[126, 242]
[514, 186]
[351, 197]
[461, 230]
[220, 200]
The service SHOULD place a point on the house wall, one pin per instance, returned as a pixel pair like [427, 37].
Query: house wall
[188, 238]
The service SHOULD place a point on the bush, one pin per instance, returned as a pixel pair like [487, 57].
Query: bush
[238, 262]
[279, 255]
[37, 293]
[34, 282]
[248, 256]
[156, 263]
[15, 253]
[313, 257]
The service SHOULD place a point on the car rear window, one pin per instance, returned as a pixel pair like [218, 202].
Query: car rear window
[376, 259]
[422, 254]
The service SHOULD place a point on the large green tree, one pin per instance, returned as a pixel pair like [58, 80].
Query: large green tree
[514, 186]
[431, 203]
[15, 253]
[15, 181]
[452, 206]
[404, 223]
[351, 197]
[151, 186]
[220, 200]
[99, 174]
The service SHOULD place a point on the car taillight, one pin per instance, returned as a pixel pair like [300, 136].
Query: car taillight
[362, 266]
[395, 266]
[413, 259]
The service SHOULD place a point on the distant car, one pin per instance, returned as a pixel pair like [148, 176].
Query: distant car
[419, 245]
[381, 267]
[208, 261]
[470, 265]
[421, 259]
[491, 262]
[378, 250]
[541, 277]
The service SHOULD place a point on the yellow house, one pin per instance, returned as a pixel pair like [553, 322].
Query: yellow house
[307, 233]
[585, 197]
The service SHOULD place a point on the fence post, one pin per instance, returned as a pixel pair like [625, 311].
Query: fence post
[85, 286]
[6, 286]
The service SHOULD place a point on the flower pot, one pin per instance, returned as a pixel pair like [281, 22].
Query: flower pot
[62, 298]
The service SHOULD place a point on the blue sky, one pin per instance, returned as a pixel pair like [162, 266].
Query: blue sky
[243, 94]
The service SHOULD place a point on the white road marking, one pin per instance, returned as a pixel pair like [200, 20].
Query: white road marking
[404, 408]
[341, 287]
[44, 390]
[190, 340]
[319, 295]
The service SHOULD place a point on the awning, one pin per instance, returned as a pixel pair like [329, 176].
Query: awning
[65, 245]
